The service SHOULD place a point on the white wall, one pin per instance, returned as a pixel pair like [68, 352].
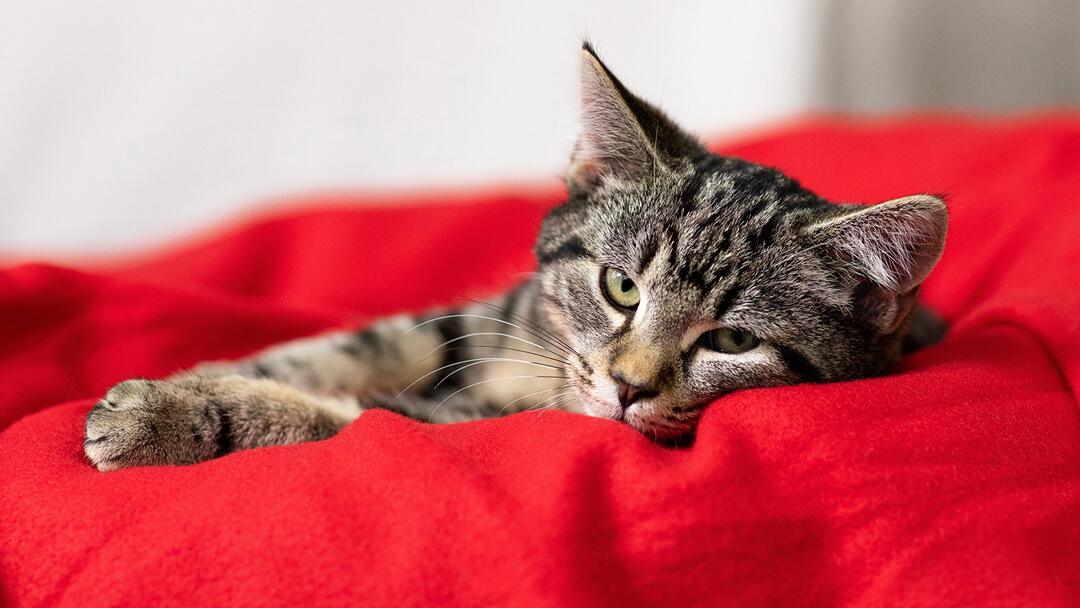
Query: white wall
[123, 122]
[127, 122]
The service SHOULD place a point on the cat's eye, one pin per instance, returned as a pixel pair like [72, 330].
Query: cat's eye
[728, 340]
[619, 289]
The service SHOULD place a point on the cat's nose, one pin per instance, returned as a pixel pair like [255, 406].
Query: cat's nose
[630, 392]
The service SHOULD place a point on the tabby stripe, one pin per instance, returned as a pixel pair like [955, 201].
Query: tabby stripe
[375, 342]
[449, 329]
[225, 443]
[703, 167]
[725, 302]
[754, 210]
[694, 276]
[509, 303]
[768, 231]
[624, 329]
[585, 365]
[673, 256]
[711, 267]
[715, 217]
[799, 364]
[760, 183]
[648, 252]
[570, 249]
[352, 348]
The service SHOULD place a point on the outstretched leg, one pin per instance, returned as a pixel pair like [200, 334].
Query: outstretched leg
[476, 362]
[191, 419]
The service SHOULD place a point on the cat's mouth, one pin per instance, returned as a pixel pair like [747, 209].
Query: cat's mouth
[651, 416]
[646, 417]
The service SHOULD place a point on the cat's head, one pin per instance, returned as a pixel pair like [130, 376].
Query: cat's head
[678, 275]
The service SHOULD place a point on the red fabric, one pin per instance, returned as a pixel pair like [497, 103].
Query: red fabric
[954, 481]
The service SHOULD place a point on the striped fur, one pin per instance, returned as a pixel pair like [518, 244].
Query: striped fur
[708, 245]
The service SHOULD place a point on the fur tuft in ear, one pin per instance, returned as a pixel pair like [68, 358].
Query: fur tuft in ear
[621, 135]
[890, 249]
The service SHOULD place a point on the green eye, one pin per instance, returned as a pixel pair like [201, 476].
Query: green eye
[619, 289]
[727, 340]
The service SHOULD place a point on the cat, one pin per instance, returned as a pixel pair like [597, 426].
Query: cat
[669, 277]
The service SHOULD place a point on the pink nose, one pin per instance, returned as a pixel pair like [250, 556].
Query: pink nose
[629, 392]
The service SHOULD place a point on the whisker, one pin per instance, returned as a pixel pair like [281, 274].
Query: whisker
[550, 390]
[551, 358]
[475, 316]
[556, 401]
[552, 336]
[436, 353]
[489, 380]
[484, 333]
[474, 362]
[469, 363]
[549, 336]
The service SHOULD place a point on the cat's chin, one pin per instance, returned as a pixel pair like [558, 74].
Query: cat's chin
[634, 416]
[662, 434]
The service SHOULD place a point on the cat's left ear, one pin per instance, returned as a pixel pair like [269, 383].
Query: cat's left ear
[621, 135]
[887, 250]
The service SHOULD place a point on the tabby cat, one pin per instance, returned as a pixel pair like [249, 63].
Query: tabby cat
[669, 277]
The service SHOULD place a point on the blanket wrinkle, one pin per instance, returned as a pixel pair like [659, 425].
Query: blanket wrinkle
[954, 481]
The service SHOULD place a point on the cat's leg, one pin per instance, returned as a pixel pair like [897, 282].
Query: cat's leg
[190, 419]
[303, 390]
[478, 361]
[386, 357]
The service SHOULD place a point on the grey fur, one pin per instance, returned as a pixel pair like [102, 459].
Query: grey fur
[826, 290]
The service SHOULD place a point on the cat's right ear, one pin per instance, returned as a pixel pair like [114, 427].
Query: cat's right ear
[621, 135]
[886, 251]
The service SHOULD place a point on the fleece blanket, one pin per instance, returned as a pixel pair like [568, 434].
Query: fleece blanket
[955, 481]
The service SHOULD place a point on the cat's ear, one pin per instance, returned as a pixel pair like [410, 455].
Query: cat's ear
[886, 251]
[621, 135]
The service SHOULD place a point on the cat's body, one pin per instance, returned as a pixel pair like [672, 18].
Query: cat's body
[670, 277]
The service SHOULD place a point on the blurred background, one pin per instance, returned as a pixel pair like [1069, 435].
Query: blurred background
[124, 123]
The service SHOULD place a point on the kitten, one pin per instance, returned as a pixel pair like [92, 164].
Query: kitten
[669, 277]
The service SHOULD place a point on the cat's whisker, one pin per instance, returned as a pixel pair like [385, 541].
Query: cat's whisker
[476, 316]
[550, 358]
[484, 333]
[549, 391]
[553, 339]
[482, 382]
[469, 363]
[556, 401]
[475, 362]
[548, 336]
[563, 395]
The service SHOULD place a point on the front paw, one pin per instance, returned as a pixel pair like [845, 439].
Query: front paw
[147, 422]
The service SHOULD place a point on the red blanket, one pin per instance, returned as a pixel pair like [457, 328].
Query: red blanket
[955, 481]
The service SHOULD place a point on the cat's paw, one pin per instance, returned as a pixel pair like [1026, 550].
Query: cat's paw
[147, 422]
